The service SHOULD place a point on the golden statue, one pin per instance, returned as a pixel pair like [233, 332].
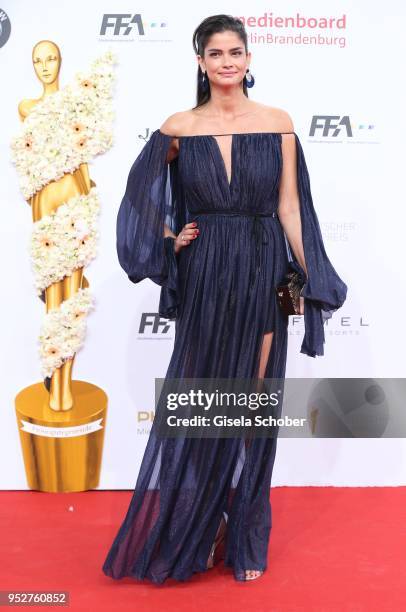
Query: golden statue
[46, 58]
[62, 423]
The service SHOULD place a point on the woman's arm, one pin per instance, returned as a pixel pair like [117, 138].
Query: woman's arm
[172, 154]
[168, 232]
[324, 291]
[289, 205]
[173, 126]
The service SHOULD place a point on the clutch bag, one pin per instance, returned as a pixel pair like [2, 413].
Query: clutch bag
[288, 292]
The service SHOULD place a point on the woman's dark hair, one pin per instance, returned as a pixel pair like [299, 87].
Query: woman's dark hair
[208, 27]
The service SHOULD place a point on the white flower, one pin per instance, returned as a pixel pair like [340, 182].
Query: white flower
[64, 130]
[63, 331]
[65, 240]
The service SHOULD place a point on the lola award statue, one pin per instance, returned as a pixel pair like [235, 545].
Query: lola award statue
[60, 133]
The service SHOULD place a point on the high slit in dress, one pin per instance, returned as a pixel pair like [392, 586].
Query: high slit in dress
[220, 291]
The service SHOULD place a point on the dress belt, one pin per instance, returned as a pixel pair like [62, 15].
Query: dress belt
[256, 227]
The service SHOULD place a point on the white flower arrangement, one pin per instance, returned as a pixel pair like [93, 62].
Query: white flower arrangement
[63, 331]
[63, 131]
[66, 128]
[65, 240]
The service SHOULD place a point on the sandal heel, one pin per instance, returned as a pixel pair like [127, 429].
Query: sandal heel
[217, 551]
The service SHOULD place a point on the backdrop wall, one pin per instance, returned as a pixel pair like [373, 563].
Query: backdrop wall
[341, 87]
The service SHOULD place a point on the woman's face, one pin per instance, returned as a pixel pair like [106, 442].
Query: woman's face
[225, 60]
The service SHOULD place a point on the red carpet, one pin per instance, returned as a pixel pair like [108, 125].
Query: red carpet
[331, 549]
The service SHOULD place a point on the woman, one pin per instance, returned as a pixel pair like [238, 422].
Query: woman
[211, 232]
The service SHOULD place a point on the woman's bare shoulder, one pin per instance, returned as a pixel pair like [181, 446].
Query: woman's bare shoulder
[277, 119]
[178, 124]
[267, 118]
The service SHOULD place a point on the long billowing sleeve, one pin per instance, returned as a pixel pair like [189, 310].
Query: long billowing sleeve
[152, 198]
[324, 291]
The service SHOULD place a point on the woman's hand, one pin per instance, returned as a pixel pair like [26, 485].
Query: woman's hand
[301, 298]
[185, 237]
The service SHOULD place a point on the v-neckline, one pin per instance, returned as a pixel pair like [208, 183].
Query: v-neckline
[212, 138]
[228, 181]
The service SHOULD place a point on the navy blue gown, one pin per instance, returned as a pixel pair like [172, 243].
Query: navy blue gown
[220, 291]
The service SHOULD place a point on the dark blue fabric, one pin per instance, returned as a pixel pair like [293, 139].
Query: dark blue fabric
[220, 290]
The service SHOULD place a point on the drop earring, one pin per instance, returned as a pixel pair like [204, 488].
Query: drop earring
[204, 82]
[249, 78]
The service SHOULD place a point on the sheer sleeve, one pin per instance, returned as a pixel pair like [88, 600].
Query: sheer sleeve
[324, 291]
[152, 198]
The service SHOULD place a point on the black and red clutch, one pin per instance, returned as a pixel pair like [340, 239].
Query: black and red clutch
[288, 292]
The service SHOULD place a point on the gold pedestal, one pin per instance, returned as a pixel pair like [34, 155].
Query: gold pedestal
[62, 450]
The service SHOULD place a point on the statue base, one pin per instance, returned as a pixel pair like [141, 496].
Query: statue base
[62, 451]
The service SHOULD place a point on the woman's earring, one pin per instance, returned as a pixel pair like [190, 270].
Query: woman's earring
[249, 78]
[205, 82]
